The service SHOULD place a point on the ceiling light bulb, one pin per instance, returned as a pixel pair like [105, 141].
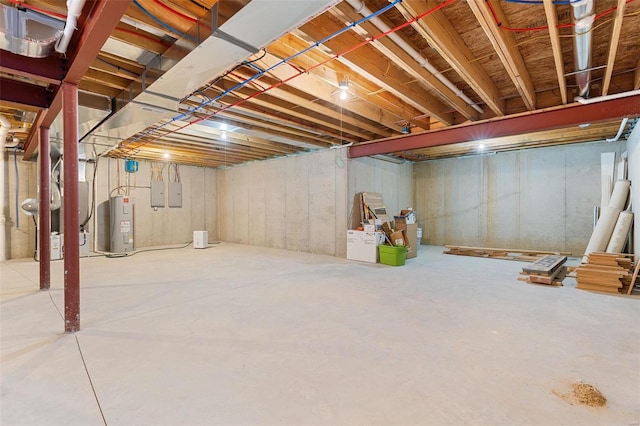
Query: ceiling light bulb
[343, 85]
[166, 155]
[223, 135]
[481, 146]
[223, 126]
[343, 95]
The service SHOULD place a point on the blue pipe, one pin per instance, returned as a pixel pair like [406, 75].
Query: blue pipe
[191, 111]
[162, 24]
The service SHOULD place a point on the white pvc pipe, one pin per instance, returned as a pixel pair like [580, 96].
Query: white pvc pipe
[360, 7]
[5, 125]
[607, 97]
[74, 10]
[623, 123]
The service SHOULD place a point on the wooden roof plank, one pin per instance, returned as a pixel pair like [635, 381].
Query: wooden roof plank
[377, 67]
[390, 49]
[444, 38]
[614, 39]
[554, 36]
[504, 44]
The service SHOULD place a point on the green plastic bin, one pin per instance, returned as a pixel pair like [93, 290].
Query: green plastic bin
[392, 255]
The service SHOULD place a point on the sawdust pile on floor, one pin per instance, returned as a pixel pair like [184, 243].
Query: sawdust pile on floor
[589, 395]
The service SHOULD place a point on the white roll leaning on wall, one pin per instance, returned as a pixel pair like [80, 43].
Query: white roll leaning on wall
[602, 233]
[620, 232]
[620, 194]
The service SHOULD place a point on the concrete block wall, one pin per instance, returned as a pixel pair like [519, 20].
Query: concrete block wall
[294, 203]
[536, 199]
[20, 229]
[161, 226]
[393, 181]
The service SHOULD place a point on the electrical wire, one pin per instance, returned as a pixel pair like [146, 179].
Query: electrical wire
[38, 9]
[546, 27]
[193, 110]
[175, 11]
[144, 36]
[161, 23]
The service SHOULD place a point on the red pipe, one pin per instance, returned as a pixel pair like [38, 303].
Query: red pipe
[71, 212]
[299, 73]
[176, 12]
[44, 231]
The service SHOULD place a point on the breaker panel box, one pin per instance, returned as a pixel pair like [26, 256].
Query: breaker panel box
[175, 194]
[157, 193]
[121, 208]
[200, 239]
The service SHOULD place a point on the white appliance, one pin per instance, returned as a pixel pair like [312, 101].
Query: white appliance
[200, 239]
[363, 245]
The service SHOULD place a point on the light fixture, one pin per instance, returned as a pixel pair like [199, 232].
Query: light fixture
[344, 87]
[406, 129]
[481, 147]
[223, 135]
[166, 155]
[223, 127]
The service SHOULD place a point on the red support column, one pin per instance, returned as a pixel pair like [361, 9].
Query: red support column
[71, 211]
[44, 230]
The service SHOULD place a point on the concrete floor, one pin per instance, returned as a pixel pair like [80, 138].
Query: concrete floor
[245, 335]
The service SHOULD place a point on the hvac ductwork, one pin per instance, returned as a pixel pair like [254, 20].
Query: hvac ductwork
[253, 27]
[583, 17]
[28, 33]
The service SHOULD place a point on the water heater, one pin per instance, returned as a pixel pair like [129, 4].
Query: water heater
[121, 218]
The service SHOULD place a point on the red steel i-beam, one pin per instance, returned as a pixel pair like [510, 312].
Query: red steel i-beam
[545, 119]
[71, 212]
[44, 231]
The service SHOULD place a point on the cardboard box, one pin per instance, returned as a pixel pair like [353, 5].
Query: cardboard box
[405, 216]
[363, 246]
[411, 232]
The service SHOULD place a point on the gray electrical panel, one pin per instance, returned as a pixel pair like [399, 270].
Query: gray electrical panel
[121, 224]
[175, 194]
[157, 193]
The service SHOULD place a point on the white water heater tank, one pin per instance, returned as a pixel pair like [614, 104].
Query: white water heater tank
[121, 221]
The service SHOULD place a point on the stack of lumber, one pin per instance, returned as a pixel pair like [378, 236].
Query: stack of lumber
[499, 253]
[547, 270]
[606, 272]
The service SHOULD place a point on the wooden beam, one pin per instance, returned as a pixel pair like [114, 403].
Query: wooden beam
[316, 108]
[504, 43]
[389, 48]
[636, 77]
[556, 47]
[370, 62]
[321, 83]
[266, 100]
[94, 30]
[614, 39]
[552, 118]
[444, 38]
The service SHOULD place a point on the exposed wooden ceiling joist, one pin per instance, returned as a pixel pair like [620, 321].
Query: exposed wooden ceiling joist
[505, 46]
[443, 37]
[614, 39]
[554, 36]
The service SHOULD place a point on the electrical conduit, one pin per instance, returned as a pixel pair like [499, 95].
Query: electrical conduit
[362, 9]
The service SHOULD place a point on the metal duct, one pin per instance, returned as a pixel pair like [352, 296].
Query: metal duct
[583, 17]
[253, 27]
[28, 33]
